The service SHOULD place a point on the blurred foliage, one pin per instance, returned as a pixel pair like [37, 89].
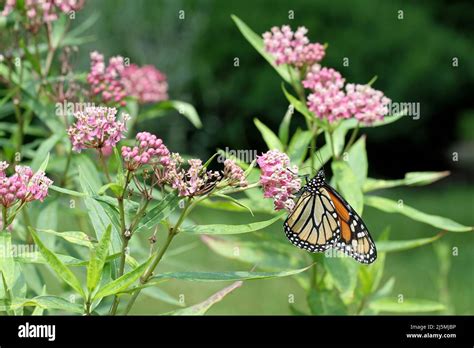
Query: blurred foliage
[412, 57]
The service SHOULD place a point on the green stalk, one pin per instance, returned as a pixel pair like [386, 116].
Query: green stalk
[173, 231]
[352, 138]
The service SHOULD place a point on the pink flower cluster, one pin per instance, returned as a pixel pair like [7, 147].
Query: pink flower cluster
[97, 128]
[145, 83]
[293, 48]
[234, 174]
[43, 11]
[366, 104]
[278, 179]
[23, 186]
[106, 81]
[148, 149]
[328, 100]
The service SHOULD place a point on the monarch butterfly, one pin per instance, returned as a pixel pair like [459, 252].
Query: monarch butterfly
[322, 219]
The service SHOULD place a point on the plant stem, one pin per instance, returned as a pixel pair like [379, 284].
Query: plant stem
[173, 231]
[104, 165]
[352, 138]
[66, 169]
[333, 149]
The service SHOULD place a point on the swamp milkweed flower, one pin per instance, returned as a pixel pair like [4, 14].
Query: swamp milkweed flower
[279, 179]
[288, 47]
[148, 150]
[97, 128]
[106, 80]
[147, 84]
[22, 187]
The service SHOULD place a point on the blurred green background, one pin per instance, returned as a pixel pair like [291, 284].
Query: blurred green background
[413, 59]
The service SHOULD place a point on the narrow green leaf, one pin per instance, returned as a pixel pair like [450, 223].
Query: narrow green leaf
[44, 149]
[97, 260]
[357, 160]
[411, 179]
[235, 201]
[203, 307]
[299, 146]
[161, 295]
[121, 283]
[346, 182]
[392, 305]
[160, 212]
[257, 42]
[53, 261]
[343, 272]
[7, 262]
[75, 237]
[401, 245]
[231, 229]
[183, 108]
[67, 191]
[284, 129]
[226, 276]
[269, 137]
[325, 302]
[267, 254]
[51, 302]
[390, 206]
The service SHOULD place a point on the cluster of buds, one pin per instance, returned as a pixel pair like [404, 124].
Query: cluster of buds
[106, 80]
[22, 187]
[148, 150]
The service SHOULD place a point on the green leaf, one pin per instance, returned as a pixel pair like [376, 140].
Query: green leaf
[268, 255]
[203, 307]
[352, 122]
[357, 160]
[53, 261]
[390, 206]
[121, 283]
[321, 157]
[391, 305]
[284, 129]
[43, 150]
[226, 276]
[160, 212]
[346, 182]
[257, 42]
[299, 146]
[37, 258]
[161, 295]
[116, 188]
[338, 138]
[401, 245]
[75, 237]
[234, 201]
[51, 302]
[325, 302]
[183, 108]
[231, 229]
[269, 137]
[303, 109]
[343, 272]
[7, 262]
[411, 179]
[97, 260]
[67, 191]
[97, 214]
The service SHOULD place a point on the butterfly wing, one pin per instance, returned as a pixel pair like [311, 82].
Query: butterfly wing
[313, 224]
[355, 239]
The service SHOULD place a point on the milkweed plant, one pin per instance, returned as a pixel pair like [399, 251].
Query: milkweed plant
[90, 206]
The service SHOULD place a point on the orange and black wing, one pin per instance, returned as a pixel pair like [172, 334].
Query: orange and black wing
[313, 224]
[355, 239]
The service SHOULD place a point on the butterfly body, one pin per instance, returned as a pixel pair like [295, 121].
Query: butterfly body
[322, 219]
